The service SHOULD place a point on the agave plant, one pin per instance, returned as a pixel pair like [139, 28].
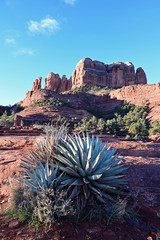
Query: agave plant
[42, 177]
[91, 169]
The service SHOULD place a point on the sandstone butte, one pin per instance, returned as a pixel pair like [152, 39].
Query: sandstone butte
[91, 72]
[128, 85]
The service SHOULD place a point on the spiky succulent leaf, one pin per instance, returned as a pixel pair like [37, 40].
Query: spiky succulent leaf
[42, 177]
[90, 168]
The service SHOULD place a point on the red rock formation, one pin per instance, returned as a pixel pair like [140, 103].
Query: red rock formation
[37, 84]
[140, 76]
[91, 72]
[118, 74]
[52, 81]
[63, 84]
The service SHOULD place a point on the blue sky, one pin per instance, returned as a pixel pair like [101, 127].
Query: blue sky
[42, 36]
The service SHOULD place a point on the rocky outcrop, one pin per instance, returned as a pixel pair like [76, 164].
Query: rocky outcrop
[90, 72]
[37, 84]
[53, 82]
[116, 75]
[140, 76]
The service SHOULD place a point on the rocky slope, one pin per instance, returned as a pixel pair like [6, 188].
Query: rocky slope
[80, 103]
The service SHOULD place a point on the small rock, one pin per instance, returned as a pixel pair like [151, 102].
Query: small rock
[19, 232]
[14, 223]
[149, 238]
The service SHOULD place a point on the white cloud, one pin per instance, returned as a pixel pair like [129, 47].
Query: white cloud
[24, 51]
[10, 41]
[71, 2]
[47, 25]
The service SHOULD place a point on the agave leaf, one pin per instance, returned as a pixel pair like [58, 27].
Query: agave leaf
[107, 188]
[108, 197]
[95, 190]
[76, 190]
[30, 175]
[78, 182]
[86, 191]
[100, 198]
[58, 179]
[29, 183]
[112, 177]
[63, 160]
[115, 182]
[69, 171]
[80, 170]
[68, 181]
[67, 154]
[115, 171]
[95, 177]
[96, 161]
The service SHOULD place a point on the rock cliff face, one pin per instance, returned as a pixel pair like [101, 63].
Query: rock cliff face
[118, 74]
[90, 73]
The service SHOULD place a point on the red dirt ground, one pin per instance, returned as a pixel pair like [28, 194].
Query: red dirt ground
[144, 184]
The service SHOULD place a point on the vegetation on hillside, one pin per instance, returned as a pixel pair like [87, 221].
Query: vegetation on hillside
[91, 89]
[51, 101]
[128, 120]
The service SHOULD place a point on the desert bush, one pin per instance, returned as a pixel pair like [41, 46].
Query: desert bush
[52, 101]
[44, 146]
[138, 130]
[128, 120]
[4, 118]
[7, 119]
[51, 205]
[91, 170]
[84, 125]
[101, 124]
[154, 128]
[93, 122]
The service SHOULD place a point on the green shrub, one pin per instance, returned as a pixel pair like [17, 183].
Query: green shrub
[154, 128]
[101, 124]
[51, 101]
[4, 118]
[93, 122]
[84, 125]
[128, 120]
[138, 130]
